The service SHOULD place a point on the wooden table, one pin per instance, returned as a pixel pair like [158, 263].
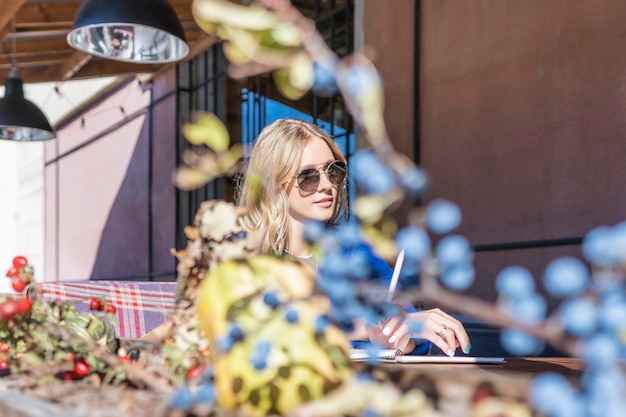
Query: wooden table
[451, 387]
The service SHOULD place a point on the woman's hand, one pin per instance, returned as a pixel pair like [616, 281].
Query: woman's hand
[392, 334]
[446, 332]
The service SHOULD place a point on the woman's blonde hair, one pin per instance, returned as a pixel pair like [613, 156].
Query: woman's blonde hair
[275, 161]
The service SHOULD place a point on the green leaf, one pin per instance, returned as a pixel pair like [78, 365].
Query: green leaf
[208, 130]
[286, 34]
[369, 208]
[252, 17]
[33, 358]
[189, 178]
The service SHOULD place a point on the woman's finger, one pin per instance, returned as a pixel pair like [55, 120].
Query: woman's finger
[442, 329]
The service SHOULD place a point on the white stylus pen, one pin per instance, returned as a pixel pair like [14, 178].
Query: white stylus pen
[396, 275]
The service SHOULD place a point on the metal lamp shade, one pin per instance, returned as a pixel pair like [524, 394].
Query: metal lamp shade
[139, 31]
[20, 119]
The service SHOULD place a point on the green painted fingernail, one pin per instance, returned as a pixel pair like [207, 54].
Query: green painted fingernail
[467, 348]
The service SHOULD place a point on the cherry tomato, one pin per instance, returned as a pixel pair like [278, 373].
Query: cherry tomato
[24, 305]
[194, 372]
[67, 376]
[111, 309]
[81, 368]
[4, 364]
[8, 309]
[95, 304]
[18, 284]
[19, 262]
[12, 272]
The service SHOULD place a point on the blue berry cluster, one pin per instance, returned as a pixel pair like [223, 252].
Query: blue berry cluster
[593, 311]
[201, 394]
[350, 276]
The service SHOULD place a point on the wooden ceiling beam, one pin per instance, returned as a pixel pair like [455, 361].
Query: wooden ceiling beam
[38, 13]
[98, 67]
[8, 9]
[70, 66]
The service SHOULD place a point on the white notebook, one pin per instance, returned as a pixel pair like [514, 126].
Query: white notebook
[364, 354]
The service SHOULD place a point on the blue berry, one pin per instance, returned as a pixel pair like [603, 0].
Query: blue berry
[271, 299]
[182, 399]
[520, 343]
[600, 351]
[578, 316]
[613, 311]
[458, 277]
[549, 391]
[205, 394]
[442, 216]
[291, 316]
[598, 247]
[370, 174]
[225, 343]
[313, 231]
[515, 281]
[324, 82]
[360, 78]
[530, 309]
[321, 323]
[236, 333]
[565, 276]
[454, 250]
[414, 181]
[414, 241]
[258, 363]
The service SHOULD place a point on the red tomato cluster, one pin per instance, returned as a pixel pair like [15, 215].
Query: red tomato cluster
[99, 304]
[10, 308]
[81, 370]
[19, 279]
[21, 275]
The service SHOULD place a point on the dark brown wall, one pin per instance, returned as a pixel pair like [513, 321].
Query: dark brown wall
[389, 34]
[522, 120]
[522, 123]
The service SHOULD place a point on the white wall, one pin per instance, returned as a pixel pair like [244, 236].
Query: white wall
[22, 215]
[8, 209]
[21, 206]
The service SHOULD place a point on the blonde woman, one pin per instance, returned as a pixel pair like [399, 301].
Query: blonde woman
[303, 174]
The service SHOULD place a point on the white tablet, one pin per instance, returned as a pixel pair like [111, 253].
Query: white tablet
[448, 359]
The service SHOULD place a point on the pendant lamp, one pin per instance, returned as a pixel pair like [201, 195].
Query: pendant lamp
[139, 31]
[20, 119]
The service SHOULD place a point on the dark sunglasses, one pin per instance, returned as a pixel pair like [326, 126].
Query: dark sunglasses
[309, 178]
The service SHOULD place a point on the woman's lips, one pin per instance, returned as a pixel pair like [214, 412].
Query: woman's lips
[325, 202]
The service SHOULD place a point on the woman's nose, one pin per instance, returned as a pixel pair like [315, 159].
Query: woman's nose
[325, 182]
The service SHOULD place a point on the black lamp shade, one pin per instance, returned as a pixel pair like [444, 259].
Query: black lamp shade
[140, 31]
[20, 119]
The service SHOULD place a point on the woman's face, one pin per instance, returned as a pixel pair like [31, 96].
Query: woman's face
[319, 204]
